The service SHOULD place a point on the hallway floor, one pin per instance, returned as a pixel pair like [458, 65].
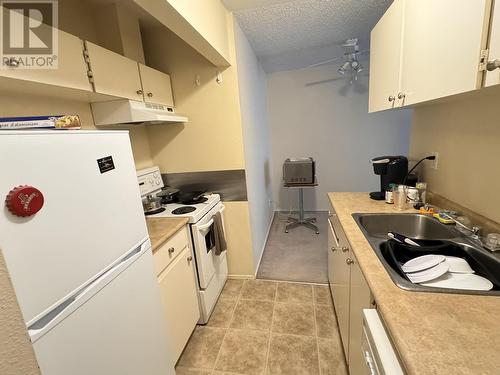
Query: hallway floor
[267, 327]
[300, 255]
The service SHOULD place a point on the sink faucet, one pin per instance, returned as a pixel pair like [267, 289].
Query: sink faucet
[474, 231]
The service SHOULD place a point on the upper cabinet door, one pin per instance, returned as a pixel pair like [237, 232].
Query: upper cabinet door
[70, 73]
[442, 43]
[114, 74]
[156, 86]
[493, 76]
[385, 58]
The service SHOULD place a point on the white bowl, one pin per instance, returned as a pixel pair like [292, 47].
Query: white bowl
[422, 263]
[458, 265]
[429, 274]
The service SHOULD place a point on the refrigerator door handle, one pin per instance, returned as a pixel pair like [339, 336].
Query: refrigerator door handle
[49, 319]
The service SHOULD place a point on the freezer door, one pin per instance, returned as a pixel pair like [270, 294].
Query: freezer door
[118, 330]
[92, 213]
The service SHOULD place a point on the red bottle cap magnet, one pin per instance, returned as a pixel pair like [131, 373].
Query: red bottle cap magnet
[24, 201]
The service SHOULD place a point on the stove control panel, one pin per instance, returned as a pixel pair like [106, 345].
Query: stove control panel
[149, 180]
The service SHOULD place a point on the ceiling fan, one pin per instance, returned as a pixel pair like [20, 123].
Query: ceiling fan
[350, 62]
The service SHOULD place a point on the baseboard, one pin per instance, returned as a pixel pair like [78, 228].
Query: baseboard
[240, 277]
[265, 243]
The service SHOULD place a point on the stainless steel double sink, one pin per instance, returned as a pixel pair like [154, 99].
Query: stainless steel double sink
[423, 227]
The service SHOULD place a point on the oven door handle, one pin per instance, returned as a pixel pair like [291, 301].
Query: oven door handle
[204, 227]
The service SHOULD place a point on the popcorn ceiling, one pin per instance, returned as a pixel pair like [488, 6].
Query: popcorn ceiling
[283, 26]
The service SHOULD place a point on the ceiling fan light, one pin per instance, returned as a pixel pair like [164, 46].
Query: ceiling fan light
[343, 69]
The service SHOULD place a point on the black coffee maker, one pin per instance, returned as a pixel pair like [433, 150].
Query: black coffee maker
[392, 170]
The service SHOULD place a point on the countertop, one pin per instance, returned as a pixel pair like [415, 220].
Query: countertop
[433, 333]
[161, 229]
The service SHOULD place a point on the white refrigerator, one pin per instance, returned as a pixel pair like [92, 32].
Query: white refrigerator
[82, 265]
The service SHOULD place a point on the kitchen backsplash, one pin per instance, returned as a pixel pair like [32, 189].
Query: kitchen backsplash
[466, 134]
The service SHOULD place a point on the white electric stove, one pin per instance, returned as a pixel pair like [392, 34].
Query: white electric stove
[211, 269]
[194, 212]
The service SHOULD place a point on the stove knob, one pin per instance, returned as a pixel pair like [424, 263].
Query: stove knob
[157, 182]
[24, 201]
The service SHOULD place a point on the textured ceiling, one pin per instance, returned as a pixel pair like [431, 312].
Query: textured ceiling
[278, 30]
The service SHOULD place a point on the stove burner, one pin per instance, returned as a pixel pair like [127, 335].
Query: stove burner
[154, 212]
[196, 201]
[183, 210]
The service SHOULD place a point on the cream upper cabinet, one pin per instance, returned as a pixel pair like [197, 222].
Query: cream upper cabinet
[360, 298]
[156, 86]
[338, 278]
[71, 71]
[385, 59]
[442, 43]
[493, 76]
[113, 74]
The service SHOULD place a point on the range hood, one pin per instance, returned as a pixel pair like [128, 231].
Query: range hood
[133, 112]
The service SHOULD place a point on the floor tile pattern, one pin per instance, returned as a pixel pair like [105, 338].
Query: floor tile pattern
[267, 327]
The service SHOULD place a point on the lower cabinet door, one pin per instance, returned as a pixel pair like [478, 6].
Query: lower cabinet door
[180, 301]
[360, 298]
[338, 275]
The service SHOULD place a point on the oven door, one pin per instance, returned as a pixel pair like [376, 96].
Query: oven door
[204, 246]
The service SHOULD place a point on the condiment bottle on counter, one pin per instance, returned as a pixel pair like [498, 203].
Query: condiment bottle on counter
[389, 197]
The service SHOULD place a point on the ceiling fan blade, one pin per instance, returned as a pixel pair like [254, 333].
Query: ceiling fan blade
[324, 81]
[326, 62]
[336, 59]
[344, 78]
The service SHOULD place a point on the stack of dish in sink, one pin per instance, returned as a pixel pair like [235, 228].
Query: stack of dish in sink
[442, 271]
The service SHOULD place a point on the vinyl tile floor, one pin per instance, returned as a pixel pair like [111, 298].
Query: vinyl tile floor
[300, 255]
[267, 327]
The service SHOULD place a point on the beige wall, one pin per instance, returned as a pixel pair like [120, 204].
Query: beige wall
[17, 104]
[239, 242]
[338, 133]
[16, 352]
[466, 134]
[212, 139]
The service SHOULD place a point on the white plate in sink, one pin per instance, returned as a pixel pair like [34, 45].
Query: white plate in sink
[422, 263]
[429, 274]
[467, 281]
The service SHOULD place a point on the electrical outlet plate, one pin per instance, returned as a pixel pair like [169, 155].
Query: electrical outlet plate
[434, 162]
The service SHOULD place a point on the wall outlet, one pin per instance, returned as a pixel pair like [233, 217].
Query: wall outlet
[434, 163]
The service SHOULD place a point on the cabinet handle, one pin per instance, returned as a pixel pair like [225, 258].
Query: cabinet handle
[492, 65]
[401, 95]
[333, 249]
[344, 249]
[171, 250]
[150, 94]
[349, 261]
[139, 92]
[391, 98]
[189, 258]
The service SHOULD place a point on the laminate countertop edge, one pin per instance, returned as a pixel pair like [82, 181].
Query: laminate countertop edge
[161, 229]
[433, 333]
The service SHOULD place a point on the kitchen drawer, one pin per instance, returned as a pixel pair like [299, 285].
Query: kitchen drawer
[169, 251]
